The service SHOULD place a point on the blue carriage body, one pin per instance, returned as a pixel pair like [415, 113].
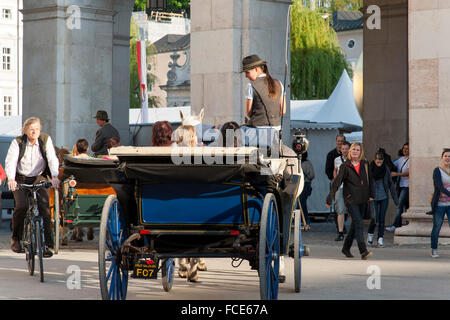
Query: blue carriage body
[223, 204]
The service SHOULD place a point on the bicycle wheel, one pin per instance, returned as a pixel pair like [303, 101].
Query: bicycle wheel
[29, 244]
[39, 232]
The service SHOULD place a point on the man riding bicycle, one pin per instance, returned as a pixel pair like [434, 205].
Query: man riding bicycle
[30, 159]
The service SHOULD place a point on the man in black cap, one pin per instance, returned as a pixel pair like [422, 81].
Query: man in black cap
[106, 132]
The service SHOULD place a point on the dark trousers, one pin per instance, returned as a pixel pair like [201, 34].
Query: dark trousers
[356, 228]
[403, 201]
[21, 206]
[306, 192]
[380, 217]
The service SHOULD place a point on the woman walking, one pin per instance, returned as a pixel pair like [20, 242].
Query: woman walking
[440, 202]
[383, 186]
[358, 190]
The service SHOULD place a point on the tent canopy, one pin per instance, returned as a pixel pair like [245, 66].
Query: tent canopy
[339, 111]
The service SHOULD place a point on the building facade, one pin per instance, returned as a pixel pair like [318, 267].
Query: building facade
[10, 58]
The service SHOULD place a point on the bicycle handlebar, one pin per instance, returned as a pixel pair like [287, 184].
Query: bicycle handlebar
[42, 184]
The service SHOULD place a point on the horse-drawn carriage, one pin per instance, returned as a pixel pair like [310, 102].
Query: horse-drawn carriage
[193, 202]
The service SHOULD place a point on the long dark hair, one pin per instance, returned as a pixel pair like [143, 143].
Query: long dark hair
[271, 83]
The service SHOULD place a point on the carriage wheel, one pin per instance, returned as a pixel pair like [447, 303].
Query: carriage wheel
[113, 279]
[297, 247]
[269, 249]
[168, 268]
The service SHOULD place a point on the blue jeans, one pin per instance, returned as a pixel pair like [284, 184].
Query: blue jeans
[403, 199]
[380, 215]
[306, 192]
[438, 220]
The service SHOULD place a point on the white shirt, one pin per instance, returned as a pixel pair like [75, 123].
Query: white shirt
[403, 166]
[32, 163]
[249, 92]
[337, 163]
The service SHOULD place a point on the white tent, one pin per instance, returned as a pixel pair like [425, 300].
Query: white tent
[339, 111]
[321, 120]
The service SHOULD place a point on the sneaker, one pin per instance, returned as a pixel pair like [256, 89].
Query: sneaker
[434, 253]
[281, 278]
[380, 243]
[370, 238]
[347, 253]
[366, 255]
[390, 228]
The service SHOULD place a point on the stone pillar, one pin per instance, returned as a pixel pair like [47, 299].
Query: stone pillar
[222, 33]
[385, 100]
[429, 113]
[72, 68]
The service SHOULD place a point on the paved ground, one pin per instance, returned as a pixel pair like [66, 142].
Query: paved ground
[406, 272]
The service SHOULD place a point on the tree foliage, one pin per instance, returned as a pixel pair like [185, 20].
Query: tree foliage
[317, 61]
[351, 5]
[176, 6]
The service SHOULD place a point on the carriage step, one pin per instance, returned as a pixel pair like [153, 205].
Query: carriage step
[188, 232]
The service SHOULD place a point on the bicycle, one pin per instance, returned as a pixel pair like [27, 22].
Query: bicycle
[33, 240]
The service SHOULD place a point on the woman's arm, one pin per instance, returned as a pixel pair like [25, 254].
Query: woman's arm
[437, 181]
[248, 106]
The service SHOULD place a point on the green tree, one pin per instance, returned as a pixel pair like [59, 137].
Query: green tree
[317, 61]
[135, 102]
[352, 5]
[179, 6]
[140, 5]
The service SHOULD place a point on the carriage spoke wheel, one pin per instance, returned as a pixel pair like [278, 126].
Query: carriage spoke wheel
[297, 248]
[168, 268]
[269, 249]
[113, 278]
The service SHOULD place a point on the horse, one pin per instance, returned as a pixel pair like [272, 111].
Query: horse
[196, 264]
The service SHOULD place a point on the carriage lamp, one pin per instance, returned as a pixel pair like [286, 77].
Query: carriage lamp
[72, 183]
[299, 143]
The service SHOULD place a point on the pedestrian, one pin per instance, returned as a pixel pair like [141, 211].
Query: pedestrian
[403, 187]
[354, 173]
[308, 172]
[80, 149]
[162, 134]
[341, 208]
[102, 136]
[329, 169]
[383, 186]
[333, 154]
[31, 158]
[440, 201]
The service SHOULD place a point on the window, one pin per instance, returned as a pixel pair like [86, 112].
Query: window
[6, 14]
[351, 43]
[6, 59]
[7, 106]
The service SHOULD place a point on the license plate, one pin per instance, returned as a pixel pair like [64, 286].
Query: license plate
[146, 269]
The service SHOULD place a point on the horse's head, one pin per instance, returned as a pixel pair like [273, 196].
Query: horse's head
[192, 120]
